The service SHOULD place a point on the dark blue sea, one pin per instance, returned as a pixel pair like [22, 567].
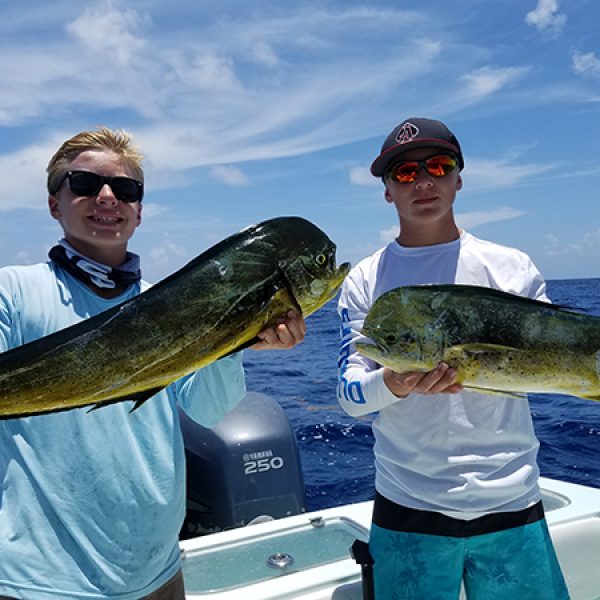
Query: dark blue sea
[335, 448]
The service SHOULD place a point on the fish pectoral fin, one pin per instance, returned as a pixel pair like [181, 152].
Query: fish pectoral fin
[243, 346]
[480, 348]
[139, 398]
[492, 392]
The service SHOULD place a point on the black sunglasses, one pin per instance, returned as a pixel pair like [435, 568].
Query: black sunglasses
[86, 183]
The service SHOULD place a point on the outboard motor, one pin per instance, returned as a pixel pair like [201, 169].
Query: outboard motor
[246, 468]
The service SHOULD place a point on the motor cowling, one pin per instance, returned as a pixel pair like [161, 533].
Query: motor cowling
[245, 469]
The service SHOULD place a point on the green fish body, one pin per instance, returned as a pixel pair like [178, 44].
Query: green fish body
[497, 342]
[213, 306]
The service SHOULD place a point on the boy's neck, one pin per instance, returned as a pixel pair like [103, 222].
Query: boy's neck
[106, 283]
[111, 256]
[413, 237]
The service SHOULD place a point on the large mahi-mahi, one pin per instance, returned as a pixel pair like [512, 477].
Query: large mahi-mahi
[497, 341]
[213, 306]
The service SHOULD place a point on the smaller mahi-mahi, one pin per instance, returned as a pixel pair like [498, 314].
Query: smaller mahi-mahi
[215, 305]
[497, 341]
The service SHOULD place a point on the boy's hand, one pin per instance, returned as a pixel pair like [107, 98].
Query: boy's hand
[438, 381]
[286, 334]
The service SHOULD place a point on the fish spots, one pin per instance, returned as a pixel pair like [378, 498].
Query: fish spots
[317, 287]
[220, 268]
[437, 300]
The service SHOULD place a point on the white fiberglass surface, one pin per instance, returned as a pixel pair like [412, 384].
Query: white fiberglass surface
[577, 544]
[268, 556]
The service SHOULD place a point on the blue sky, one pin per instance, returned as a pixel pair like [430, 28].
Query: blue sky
[248, 109]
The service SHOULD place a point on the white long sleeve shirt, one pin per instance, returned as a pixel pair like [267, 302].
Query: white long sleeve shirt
[465, 454]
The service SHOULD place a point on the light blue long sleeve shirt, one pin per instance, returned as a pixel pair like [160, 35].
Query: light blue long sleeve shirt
[91, 503]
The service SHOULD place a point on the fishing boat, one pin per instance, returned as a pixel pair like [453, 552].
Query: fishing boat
[258, 543]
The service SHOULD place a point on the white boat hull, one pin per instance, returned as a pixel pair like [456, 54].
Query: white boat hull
[232, 565]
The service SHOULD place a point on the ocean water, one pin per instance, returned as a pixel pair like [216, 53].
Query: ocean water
[336, 449]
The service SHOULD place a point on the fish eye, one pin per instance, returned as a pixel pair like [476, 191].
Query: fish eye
[321, 259]
[391, 338]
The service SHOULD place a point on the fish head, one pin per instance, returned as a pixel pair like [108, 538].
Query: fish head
[401, 334]
[308, 264]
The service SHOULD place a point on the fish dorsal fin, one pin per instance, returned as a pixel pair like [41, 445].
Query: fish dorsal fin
[480, 348]
[467, 291]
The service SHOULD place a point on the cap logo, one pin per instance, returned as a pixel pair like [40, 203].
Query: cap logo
[407, 133]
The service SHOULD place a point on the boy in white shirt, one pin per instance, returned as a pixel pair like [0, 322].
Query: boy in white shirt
[457, 496]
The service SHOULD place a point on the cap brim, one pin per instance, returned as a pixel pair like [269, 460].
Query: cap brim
[385, 159]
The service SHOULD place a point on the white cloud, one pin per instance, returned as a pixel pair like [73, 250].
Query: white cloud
[166, 254]
[200, 69]
[263, 53]
[501, 172]
[24, 257]
[110, 33]
[388, 234]
[545, 17]
[152, 209]
[487, 80]
[197, 89]
[199, 93]
[470, 220]
[230, 175]
[588, 243]
[586, 64]
[24, 177]
[362, 176]
[104, 62]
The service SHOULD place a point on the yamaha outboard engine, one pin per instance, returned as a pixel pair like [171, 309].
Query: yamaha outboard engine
[246, 468]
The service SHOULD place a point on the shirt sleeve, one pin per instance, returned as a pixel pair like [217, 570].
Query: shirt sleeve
[5, 321]
[360, 386]
[208, 394]
[7, 333]
[537, 285]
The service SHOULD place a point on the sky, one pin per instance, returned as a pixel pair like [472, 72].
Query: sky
[249, 110]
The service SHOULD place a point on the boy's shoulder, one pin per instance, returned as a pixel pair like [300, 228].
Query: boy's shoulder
[366, 263]
[25, 273]
[492, 249]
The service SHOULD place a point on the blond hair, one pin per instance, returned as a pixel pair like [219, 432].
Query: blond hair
[102, 139]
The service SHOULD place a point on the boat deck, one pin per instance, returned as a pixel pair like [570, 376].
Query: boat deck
[305, 557]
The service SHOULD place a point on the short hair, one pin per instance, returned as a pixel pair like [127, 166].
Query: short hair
[102, 139]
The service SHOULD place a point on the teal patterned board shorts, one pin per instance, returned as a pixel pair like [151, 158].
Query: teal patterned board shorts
[513, 564]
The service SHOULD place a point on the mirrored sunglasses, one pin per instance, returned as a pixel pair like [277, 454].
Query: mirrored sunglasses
[436, 166]
[86, 183]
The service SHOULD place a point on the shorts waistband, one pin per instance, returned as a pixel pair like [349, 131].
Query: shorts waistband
[390, 515]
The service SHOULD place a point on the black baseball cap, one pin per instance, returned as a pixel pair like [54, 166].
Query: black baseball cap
[416, 132]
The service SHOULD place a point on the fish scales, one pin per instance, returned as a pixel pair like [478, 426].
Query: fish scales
[497, 341]
[213, 306]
